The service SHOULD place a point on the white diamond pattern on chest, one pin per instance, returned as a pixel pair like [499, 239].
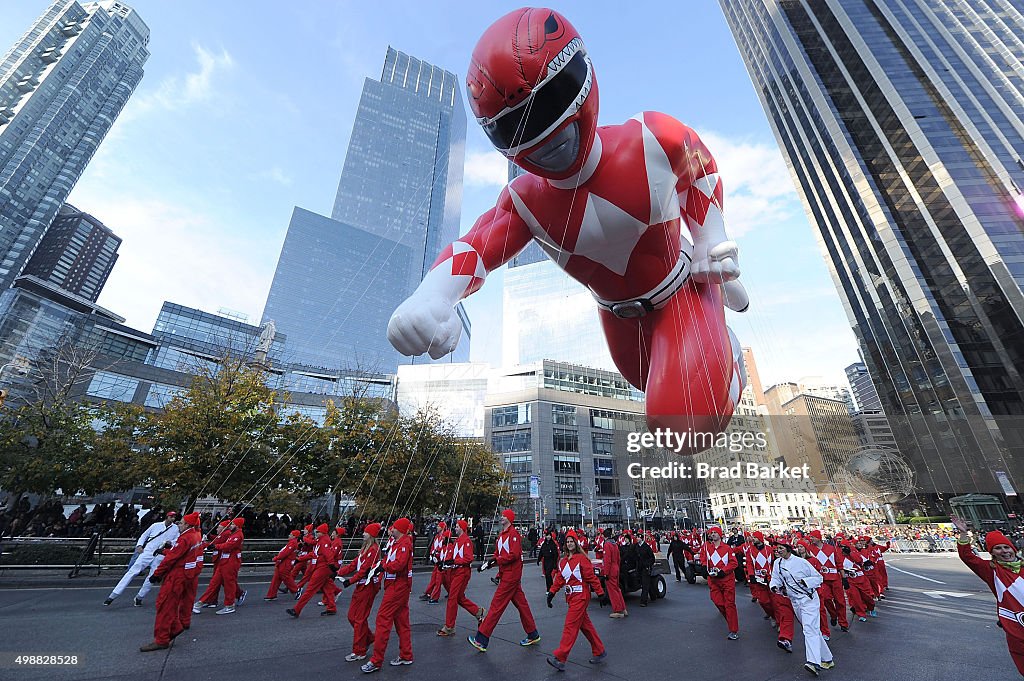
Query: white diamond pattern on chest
[571, 572]
[608, 234]
[1016, 589]
[392, 555]
[717, 558]
[761, 560]
[458, 553]
[503, 545]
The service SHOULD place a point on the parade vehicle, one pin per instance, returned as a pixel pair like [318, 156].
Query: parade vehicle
[629, 575]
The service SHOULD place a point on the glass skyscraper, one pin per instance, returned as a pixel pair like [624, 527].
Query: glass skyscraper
[546, 314]
[398, 204]
[902, 122]
[62, 86]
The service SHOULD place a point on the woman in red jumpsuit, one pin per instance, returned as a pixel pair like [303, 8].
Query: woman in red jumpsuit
[365, 593]
[576, 574]
[1003, 575]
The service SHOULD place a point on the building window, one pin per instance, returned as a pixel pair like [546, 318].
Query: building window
[604, 467]
[519, 464]
[563, 414]
[613, 420]
[603, 444]
[567, 485]
[110, 386]
[517, 441]
[567, 464]
[160, 395]
[514, 415]
[565, 440]
[606, 487]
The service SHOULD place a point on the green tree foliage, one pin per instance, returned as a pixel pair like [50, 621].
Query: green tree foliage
[215, 438]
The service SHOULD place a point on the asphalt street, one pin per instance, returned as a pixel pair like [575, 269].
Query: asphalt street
[938, 623]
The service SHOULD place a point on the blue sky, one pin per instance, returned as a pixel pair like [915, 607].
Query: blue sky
[246, 109]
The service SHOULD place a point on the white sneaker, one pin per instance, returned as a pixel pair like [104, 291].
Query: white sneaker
[241, 598]
[352, 657]
[399, 661]
[197, 608]
[226, 610]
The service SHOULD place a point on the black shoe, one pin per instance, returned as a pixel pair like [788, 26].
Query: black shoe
[643, 605]
[432, 601]
[108, 601]
[138, 602]
[833, 621]
[291, 611]
[845, 628]
[328, 613]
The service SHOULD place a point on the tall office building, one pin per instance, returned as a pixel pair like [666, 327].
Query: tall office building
[77, 253]
[338, 279]
[902, 122]
[864, 394]
[62, 86]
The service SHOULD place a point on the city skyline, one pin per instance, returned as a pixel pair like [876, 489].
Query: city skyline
[202, 182]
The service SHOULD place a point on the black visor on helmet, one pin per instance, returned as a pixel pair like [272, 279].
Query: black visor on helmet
[546, 105]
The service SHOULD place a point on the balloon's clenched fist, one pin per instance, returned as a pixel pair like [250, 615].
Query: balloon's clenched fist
[425, 324]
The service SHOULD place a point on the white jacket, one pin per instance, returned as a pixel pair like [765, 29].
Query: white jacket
[797, 576]
[156, 536]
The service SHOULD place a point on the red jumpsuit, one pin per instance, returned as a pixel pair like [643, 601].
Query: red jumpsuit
[757, 564]
[394, 606]
[859, 592]
[283, 565]
[436, 578]
[458, 579]
[212, 592]
[300, 570]
[330, 588]
[612, 564]
[873, 552]
[833, 596]
[179, 571]
[1008, 587]
[309, 542]
[362, 598]
[723, 587]
[508, 553]
[231, 563]
[321, 562]
[883, 574]
[576, 574]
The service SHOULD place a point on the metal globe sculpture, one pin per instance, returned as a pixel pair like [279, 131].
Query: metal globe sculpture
[881, 473]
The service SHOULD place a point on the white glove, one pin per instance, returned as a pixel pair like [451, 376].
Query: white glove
[715, 264]
[425, 323]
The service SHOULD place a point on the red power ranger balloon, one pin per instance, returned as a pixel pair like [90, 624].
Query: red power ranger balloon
[608, 204]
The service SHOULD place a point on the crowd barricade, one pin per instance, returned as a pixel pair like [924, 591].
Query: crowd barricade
[922, 545]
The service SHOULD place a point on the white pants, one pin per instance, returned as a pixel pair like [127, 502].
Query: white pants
[141, 563]
[808, 612]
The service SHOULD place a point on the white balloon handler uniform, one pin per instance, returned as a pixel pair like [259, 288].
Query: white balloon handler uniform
[799, 581]
[151, 540]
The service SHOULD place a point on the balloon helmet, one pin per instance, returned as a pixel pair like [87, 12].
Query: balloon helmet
[532, 88]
